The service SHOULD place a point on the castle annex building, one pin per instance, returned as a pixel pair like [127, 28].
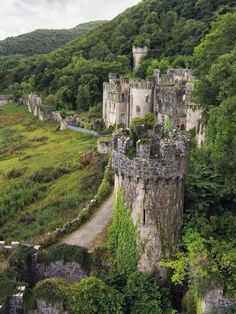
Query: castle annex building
[168, 96]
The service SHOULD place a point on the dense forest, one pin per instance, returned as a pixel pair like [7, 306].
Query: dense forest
[74, 74]
[182, 33]
[44, 40]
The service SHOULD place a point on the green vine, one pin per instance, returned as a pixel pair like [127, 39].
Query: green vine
[122, 237]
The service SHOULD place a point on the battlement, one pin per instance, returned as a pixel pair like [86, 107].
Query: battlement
[138, 54]
[152, 157]
[141, 84]
[173, 76]
[140, 50]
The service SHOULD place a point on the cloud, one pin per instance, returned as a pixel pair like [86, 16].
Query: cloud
[21, 16]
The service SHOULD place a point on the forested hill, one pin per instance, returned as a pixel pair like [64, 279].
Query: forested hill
[44, 40]
[75, 73]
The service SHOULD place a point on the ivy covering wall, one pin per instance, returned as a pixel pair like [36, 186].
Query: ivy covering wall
[122, 238]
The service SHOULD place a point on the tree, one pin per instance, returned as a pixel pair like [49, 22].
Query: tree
[143, 295]
[92, 295]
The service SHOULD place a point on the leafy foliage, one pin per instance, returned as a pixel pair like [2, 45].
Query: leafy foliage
[7, 284]
[51, 290]
[68, 254]
[74, 74]
[144, 296]
[44, 40]
[92, 295]
[122, 237]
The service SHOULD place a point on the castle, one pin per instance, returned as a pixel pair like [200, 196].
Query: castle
[151, 165]
[168, 96]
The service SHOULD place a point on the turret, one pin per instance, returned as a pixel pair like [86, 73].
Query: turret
[138, 54]
[152, 178]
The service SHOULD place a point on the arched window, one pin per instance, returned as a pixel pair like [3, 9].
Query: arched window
[144, 217]
[147, 98]
[138, 110]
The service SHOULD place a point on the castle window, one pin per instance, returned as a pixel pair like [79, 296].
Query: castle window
[138, 110]
[198, 127]
[147, 98]
[123, 97]
[144, 217]
[182, 127]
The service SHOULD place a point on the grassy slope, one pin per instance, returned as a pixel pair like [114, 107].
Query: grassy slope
[29, 208]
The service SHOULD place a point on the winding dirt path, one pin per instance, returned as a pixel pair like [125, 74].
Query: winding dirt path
[86, 235]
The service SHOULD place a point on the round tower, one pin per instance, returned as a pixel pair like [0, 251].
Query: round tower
[138, 54]
[141, 98]
[153, 183]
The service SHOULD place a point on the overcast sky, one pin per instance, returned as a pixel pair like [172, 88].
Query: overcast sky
[22, 16]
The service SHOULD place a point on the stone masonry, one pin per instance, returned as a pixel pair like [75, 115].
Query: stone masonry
[168, 96]
[153, 182]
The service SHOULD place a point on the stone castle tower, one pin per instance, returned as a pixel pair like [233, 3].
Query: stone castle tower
[153, 183]
[139, 53]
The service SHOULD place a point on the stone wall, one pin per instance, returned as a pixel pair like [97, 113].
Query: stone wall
[68, 121]
[215, 299]
[59, 269]
[3, 100]
[47, 308]
[115, 100]
[104, 146]
[153, 183]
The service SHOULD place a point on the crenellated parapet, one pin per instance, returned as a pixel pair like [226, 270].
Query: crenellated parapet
[152, 157]
[141, 84]
[138, 54]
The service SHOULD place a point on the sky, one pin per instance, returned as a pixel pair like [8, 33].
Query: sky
[22, 16]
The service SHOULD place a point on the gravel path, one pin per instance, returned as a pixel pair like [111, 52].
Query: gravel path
[86, 235]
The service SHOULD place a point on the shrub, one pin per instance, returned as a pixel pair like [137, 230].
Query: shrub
[14, 173]
[92, 295]
[86, 159]
[48, 174]
[68, 254]
[51, 290]
[106, 186]
[19, 261]
[7, 284]
[143, 295]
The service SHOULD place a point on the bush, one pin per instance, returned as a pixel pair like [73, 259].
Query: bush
[48, 174]
[19, 261]
[143, 295]
[92, 295]
[51, 290]
[14, 173]
[7, 284]
[106, 186]
[69, 254]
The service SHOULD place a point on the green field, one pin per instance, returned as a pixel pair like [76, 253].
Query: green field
[46, 176]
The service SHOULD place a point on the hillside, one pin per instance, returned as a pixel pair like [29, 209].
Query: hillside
[171, 30]
[43, 186]
[44, 40]
[46, 176]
